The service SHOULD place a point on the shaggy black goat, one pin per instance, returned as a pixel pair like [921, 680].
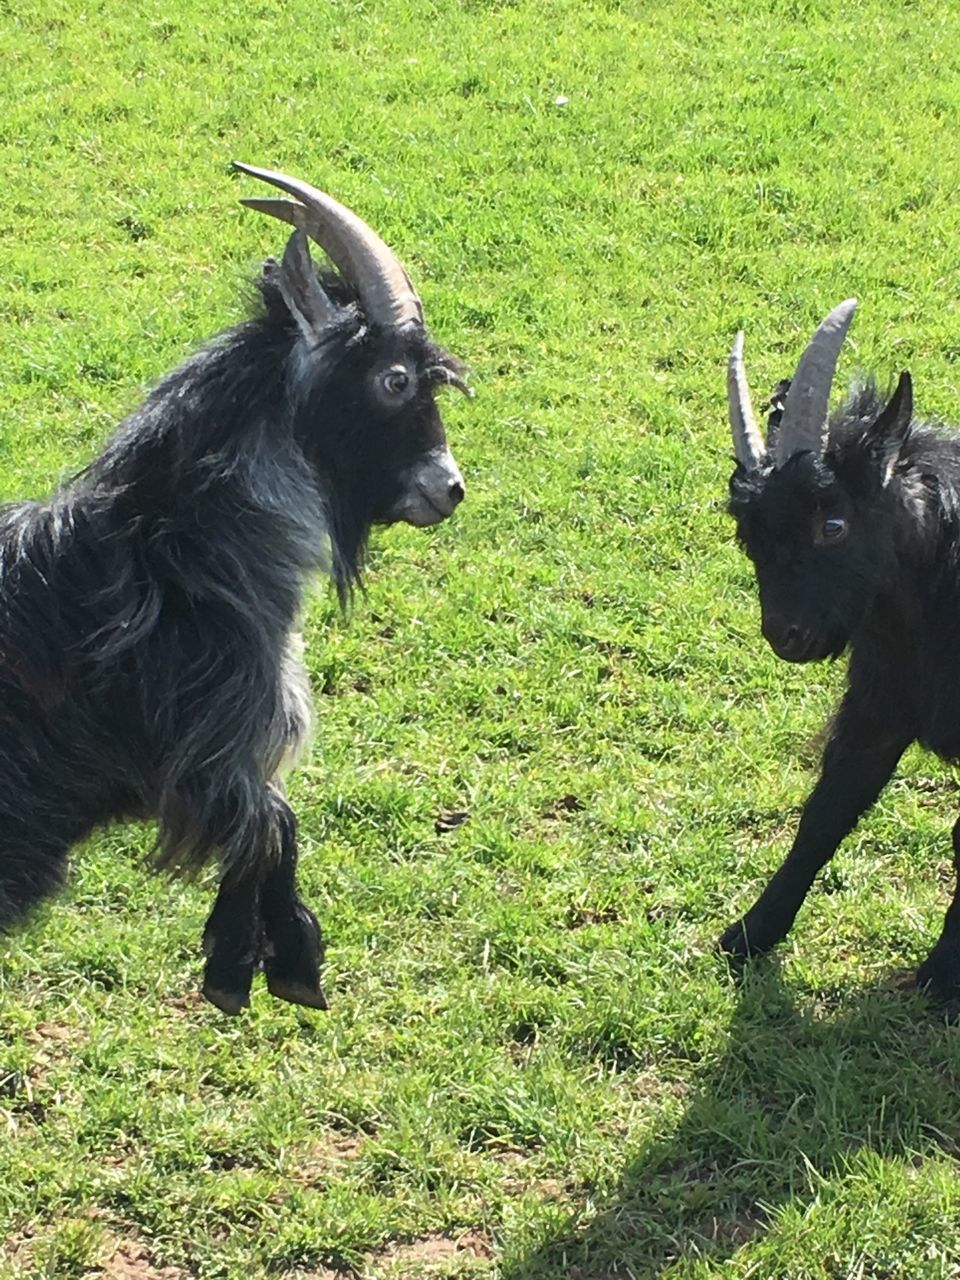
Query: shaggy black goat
[148, 653]
[853, 526]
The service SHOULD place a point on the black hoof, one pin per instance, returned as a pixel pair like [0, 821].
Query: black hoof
[228, 1001]
[904, 980]
[734, 943]
[748, 938]
[311, 997]
[227, 982]
[294, 954]
[939, 976]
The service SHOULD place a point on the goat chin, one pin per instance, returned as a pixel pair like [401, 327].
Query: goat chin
[816, 650]
[419, 510]
[422, 518]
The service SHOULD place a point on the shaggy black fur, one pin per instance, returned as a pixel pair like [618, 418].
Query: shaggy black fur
[861, 551]
[147, 659]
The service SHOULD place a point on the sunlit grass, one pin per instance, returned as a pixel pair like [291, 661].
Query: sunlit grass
[533, 1066]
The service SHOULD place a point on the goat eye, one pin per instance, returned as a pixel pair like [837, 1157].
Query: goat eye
[833, 529]
[396, 380]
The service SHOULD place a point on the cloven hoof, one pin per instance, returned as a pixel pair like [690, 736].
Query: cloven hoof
[297, 993]
[228, 1001]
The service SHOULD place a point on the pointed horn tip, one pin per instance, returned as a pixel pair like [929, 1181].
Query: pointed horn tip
[295, 187]
[273, 176]
[840, 316]
[246, 168]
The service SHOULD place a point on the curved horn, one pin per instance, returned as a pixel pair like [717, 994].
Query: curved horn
[804, 421]
[747, 441]
[386, 295]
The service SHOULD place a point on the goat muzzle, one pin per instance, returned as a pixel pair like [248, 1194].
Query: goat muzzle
[434, 490]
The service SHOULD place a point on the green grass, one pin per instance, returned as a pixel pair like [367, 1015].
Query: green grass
[533, 1067]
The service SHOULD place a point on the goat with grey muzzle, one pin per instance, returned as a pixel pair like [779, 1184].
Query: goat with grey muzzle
[852, 521]
[148, 653]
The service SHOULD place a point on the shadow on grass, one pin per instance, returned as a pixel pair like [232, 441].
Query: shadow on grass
[794, 1098]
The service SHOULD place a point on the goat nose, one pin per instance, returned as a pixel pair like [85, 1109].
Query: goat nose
[456, 493]
[790, 640]
[786, 638]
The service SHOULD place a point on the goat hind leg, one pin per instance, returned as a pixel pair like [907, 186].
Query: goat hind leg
[940, 972]
[235, 816]
[232, 944]
[293, 951]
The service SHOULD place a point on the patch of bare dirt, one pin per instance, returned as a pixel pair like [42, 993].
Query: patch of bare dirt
[129, 1260]
[519, 1179]
[325, 1157]
[185, 1005]
[19, 1248]
[46, 1033]
[323, 1274]
[55, 1042]
[125, 1259]
[27, 1094]
[436, 1248]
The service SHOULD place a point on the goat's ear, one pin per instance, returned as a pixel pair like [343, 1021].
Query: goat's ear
[300, 289]
[890, 430]
[774, 408]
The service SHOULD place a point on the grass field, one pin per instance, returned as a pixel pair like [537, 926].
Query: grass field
[534, 1066]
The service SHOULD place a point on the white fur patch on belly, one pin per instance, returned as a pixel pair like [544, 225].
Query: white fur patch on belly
[296, 704]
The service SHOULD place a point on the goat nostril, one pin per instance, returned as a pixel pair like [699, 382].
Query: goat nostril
[785, 637]
[456, 492]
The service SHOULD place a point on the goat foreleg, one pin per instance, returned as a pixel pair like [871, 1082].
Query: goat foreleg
[859, 759]
[941, 969]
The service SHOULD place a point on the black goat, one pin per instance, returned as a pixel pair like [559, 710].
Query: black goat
[148, 653]
[853, 527]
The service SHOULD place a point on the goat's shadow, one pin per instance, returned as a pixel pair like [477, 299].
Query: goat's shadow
[795, 1096]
